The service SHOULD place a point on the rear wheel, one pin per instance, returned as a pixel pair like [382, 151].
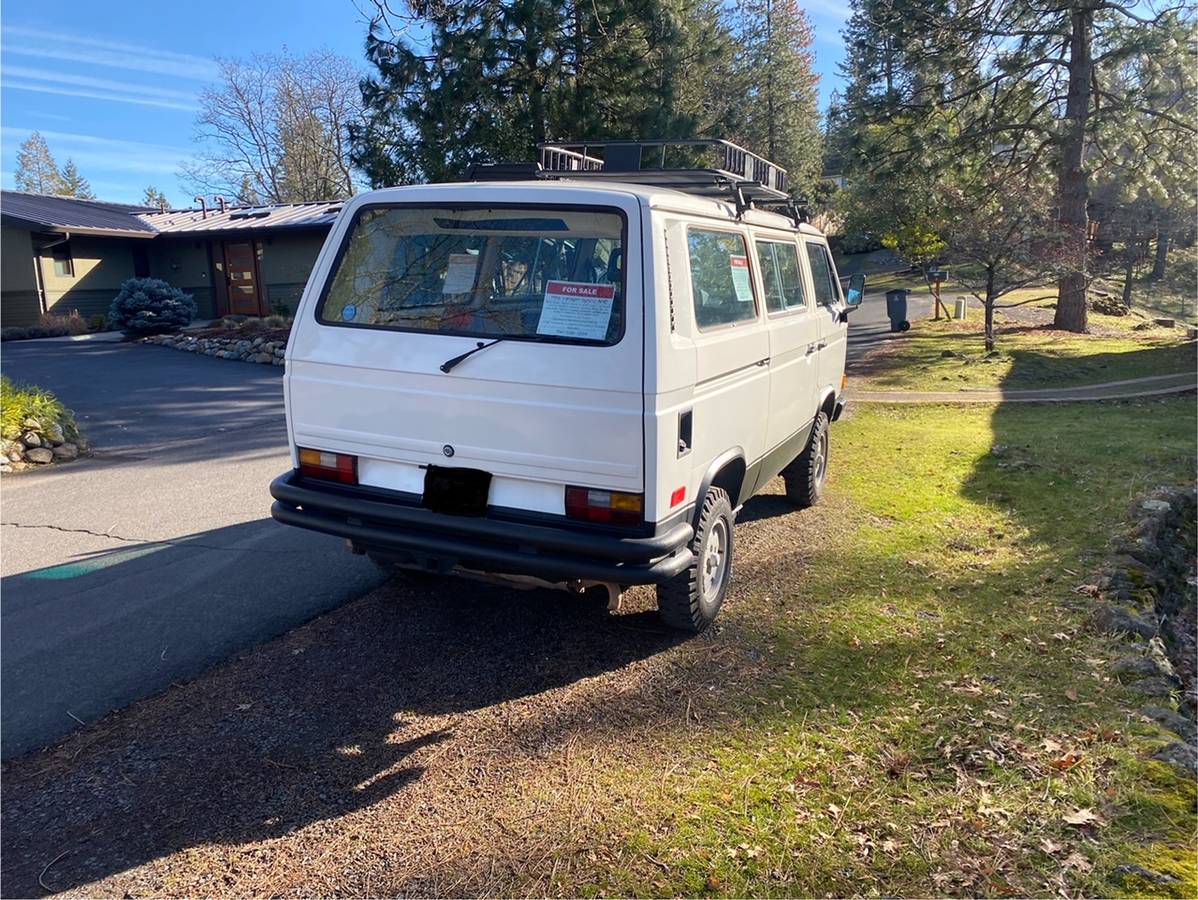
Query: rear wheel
[805, 476]
[690, 600]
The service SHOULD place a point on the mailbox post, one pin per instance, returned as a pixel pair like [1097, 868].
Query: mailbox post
[937, 275]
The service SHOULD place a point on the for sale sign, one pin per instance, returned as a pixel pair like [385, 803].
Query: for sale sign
[576, 309]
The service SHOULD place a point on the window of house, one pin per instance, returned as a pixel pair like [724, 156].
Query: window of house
[141, 263]
[827, 293]
[720, 283]
[780, 276]
[64, 265]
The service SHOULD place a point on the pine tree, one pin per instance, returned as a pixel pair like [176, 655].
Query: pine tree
[37, 172]
[777, 89]
[498, 77]
[74, 184]
[155, 198]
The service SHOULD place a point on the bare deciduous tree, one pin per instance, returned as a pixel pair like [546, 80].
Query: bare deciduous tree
[275, 129]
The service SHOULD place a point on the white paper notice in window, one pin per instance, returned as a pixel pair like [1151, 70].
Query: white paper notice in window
[459, 276]
[740, 278]
[577, 310]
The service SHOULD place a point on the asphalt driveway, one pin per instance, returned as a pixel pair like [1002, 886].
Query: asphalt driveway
[157, 557]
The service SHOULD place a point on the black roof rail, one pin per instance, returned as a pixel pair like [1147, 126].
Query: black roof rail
[507, 171]
[704, 166]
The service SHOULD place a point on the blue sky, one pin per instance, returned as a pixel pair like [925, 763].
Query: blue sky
[112, 85]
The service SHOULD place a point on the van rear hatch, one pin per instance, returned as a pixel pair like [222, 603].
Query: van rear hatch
[547, 295]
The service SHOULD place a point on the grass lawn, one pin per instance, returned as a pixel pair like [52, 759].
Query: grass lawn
[930, 709]
[903, 697]
[1026, 356]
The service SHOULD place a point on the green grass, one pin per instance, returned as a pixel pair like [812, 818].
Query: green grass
[922, 680]
[21, 402]
[1025, 357]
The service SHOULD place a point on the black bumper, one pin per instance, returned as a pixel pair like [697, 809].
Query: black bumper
[482, 543]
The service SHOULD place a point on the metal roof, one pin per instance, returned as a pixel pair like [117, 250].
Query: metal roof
[53, 213]
[244, 218]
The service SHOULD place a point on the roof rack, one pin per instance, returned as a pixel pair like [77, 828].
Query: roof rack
[703, 166]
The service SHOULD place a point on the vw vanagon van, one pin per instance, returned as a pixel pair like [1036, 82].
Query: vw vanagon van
[573, 373]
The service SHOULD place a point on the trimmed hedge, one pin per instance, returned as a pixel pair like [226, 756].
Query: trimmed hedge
[150, 306]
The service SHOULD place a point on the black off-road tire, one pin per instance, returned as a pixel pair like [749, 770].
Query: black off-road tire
[806, 475]
[690, 601]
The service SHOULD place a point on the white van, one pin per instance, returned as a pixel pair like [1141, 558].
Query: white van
[573, 374]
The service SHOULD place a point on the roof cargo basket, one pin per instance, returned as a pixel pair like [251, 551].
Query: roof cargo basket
[708, 167]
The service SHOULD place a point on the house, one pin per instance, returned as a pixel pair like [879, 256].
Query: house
[59, 254]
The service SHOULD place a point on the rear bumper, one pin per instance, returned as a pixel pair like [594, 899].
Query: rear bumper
[483, 543]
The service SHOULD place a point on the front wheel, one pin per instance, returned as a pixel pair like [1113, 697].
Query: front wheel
[806, 475]
[690, 600]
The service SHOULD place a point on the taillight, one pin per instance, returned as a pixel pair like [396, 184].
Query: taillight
[609, 507]
[329, 466]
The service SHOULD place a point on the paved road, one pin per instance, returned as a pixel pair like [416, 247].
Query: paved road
[869, 326]
[157, 557]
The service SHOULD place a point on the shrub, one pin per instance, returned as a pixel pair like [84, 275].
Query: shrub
[98, 322]
[150, 306]
[72, 323]
[19, 402]
[29, 332]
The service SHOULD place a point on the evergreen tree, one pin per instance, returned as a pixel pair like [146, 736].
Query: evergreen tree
[37, 172]
[501, 76]
[74, 184]
[777, 89]
[1021, 86]
[155, 198]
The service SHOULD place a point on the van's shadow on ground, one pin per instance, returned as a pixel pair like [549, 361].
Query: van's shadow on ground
[308, 728]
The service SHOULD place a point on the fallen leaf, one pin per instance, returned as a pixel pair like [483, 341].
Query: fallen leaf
[1076, 861]
[1081, 817]
[1051, 847]
[1066, 762]
[1051, 746]
[1071, 694]
[712, 883]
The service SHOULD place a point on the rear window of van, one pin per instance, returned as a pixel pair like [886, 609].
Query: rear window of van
[523, 273]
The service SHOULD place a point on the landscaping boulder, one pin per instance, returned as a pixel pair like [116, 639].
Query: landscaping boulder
[65, 451]
[39, 455]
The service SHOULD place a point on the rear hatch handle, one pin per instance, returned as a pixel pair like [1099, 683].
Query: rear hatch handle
[449, 364]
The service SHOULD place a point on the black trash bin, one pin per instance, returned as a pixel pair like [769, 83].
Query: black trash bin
[896, 309]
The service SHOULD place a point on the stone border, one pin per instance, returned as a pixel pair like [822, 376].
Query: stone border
[1148, 593]
[245, 349]
[37, 445]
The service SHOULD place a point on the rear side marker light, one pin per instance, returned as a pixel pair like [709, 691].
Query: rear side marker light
[609, 507]
[678, 496]
[340, 467]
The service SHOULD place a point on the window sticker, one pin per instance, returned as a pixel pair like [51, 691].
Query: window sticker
[349, 312]
[460, 273]
[740, 278]
[576, 309]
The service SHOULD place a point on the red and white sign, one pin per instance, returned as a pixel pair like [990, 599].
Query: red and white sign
[576, 309]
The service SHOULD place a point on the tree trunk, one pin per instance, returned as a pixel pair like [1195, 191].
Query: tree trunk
[989, 306]
[1162, 253]
[1073, 179]
[1132, 251]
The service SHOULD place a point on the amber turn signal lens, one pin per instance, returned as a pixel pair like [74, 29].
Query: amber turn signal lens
[339, 467]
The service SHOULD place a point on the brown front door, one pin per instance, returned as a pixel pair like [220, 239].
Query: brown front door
[241, 276]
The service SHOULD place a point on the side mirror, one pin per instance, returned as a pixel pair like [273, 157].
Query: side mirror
[856, 291]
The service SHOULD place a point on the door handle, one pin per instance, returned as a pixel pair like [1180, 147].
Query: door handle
[763, 362]
[822, 345]
[811, 348]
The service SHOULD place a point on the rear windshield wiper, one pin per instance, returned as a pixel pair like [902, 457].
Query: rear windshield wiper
[449, 364]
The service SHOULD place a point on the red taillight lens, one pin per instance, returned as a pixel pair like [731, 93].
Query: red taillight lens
[609, 507]
[328, 466]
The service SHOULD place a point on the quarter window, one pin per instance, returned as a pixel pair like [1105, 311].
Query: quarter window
[780, 276]
[720, 282]
[826, 292]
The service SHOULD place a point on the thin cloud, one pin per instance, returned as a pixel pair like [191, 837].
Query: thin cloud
[112, 54]
[98, 154]
[121, 54]
[96, 95]
[831, 9]
[134, 92]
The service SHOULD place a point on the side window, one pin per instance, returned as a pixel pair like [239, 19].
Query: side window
[720, 282]
[826, 292]
[780, 275]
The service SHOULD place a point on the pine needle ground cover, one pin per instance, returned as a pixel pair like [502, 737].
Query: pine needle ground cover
[904, 697]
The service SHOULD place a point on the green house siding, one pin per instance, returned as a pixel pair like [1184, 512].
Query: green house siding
[19, 303]
[286, 262]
